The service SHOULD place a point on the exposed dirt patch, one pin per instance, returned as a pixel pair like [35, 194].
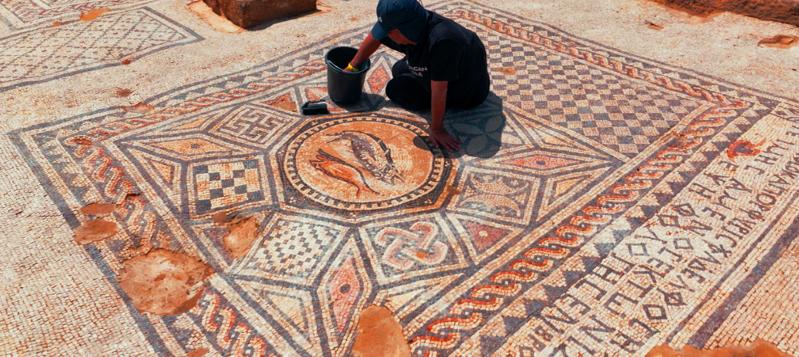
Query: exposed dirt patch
[285, 103]
[379, 334]
[164, 282]
[126, 61]
[139, 107]
[241, 233]
[122, 92]
[759, 348]
[654, 26]
[422, 254]
[197, 353]
[221, 218]
[93, 13]
[742, 148]
[82, 141]
[508, 70]
[94, 231]
[98, 209]
[130, 196]
[56, 23]
[779, 41]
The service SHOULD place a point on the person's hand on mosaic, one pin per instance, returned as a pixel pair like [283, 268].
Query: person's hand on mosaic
[438, 108]
[444, 140]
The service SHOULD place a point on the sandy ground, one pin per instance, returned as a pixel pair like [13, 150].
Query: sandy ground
[36, 243]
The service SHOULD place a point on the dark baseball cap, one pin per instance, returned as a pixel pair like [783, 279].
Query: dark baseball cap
[409, 16]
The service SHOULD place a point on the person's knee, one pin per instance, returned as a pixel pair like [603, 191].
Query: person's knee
[407, 93]
[392, 89]
[478, 97]
[466, 100]
[399, 68]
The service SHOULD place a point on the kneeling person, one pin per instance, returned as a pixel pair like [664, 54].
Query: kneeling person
[444, 65]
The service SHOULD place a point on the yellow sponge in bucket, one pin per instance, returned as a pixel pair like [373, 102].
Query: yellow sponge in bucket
[344, 86]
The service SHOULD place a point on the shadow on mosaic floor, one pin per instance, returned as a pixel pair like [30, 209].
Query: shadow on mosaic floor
[479, 129]
[369, 102]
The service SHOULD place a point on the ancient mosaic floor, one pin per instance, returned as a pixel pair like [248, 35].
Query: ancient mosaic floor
[602, 202]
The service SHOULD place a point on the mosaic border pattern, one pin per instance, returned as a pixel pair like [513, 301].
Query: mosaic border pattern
[730, 111]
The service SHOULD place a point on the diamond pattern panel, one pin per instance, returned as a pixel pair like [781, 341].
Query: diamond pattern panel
[292, 250]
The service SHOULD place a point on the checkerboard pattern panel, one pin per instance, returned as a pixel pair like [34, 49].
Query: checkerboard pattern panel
[225, 184]
[622, 114]
[293, 249]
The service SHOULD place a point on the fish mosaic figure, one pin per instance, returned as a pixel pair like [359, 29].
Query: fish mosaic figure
[339, 169]
[353, 156]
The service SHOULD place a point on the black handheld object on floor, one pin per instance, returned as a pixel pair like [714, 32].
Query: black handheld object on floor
[314, 108]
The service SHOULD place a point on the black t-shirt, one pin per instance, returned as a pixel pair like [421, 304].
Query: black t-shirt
[446, 51]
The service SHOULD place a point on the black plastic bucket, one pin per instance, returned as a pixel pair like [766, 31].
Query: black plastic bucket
[344, 87]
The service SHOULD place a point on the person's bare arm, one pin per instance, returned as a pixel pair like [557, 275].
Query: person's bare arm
[368, 46]
[438, 108]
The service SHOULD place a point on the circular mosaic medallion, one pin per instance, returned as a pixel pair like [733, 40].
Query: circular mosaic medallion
[363, 163]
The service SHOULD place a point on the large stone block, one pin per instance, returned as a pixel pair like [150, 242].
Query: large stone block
[786, 11]
[249, 13]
